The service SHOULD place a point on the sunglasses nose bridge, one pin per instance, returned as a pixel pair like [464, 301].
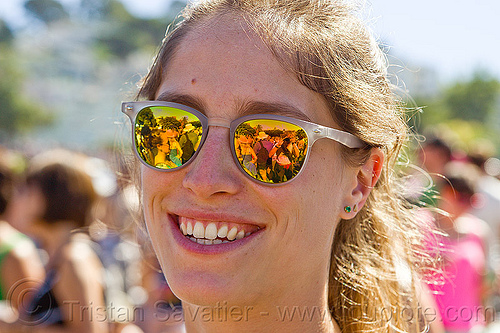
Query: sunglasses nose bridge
[220, 122]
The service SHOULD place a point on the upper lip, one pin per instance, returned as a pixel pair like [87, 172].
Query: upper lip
[214, 216]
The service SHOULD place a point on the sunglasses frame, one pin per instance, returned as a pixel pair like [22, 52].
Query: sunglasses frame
[313, 131]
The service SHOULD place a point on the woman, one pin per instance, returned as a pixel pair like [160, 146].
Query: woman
[460, 298]
[20, 268]
[57, 203]
[247, 154]
[175, 148]
[286, 153]
[163, 150]
[334, 244]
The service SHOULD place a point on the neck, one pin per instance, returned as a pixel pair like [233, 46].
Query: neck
[291, 317]
[54, 236]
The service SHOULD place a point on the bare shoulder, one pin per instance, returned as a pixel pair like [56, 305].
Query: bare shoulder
[79, 260]
[25, 270]
[79, 250]
[23, 253]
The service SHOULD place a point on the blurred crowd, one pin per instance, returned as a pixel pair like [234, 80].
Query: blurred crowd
[74, 255]
[459, 192]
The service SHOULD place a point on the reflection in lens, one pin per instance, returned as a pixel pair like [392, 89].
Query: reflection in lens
[166, 137]
[271, 151]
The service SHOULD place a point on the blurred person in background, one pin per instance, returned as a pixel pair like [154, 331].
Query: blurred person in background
[163, 310]
[461, 294]
[21, 270]
[57, 206]
[434, 154]
[486, 204]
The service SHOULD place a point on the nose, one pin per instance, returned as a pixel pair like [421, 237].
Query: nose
[213, 171]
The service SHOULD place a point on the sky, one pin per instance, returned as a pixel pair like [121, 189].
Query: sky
[453, 37]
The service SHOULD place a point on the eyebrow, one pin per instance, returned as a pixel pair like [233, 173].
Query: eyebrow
[282, 109]
[184, 99]
[247, 108]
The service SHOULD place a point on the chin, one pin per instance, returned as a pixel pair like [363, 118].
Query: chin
[207, 288]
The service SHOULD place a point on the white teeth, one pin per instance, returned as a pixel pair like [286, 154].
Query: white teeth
[222, 232]
[210, 231]
[209, 235]
[199, 230]
[240, 234]
[231, 235]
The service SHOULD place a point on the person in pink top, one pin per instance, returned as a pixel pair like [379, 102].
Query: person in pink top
[459, 291]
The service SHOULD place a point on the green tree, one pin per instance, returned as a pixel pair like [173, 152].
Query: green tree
[126, 33]
[18, 114]
[475, 99]
[466, 110]
[91, 10]
[146, 117]
[47, 11]
[428, 112]
[245, 129]
[170, 123]
[6, 34]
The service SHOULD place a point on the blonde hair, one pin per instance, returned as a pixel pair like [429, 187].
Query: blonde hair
[376, 255]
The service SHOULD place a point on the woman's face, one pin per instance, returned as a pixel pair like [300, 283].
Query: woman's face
[27, 209]
[223, 71]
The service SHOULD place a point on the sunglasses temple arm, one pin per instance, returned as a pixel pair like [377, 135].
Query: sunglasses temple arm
[347, 139]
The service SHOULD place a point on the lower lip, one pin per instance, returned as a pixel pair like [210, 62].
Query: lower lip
[193, 247]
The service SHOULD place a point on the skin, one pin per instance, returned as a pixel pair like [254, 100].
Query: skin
[433, 160]
[79, 288]
[224, 66]
[21, 269]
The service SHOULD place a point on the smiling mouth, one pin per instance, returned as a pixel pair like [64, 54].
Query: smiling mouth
[214, 233]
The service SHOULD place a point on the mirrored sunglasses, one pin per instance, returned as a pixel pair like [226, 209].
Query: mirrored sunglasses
[271, 149]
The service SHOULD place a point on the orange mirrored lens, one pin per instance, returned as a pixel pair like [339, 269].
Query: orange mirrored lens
[166, 137]
[271, 151]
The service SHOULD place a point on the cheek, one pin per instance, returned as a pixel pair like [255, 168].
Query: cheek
[154, 186]
[156, 183]
[325, 180]
[316, 198]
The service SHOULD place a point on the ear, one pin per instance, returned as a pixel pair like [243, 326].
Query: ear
[367, 176]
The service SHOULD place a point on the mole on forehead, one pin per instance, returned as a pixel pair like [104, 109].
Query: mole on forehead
[243, 109]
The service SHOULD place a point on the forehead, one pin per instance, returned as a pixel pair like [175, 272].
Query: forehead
[224, 65]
